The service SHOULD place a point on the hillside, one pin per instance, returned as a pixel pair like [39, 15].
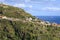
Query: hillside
[16, 24]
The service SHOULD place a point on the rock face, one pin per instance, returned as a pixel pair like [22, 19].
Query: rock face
[31, 29]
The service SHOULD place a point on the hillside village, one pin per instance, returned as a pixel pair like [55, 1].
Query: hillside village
[45, 23]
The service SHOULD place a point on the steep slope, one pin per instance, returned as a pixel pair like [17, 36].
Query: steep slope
[11, 11]
[29, 28]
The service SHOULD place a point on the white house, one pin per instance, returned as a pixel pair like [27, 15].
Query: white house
[5, 6]
[42, 22]
[29, 19]
[54, 24]
[4, 17]
[48, 23]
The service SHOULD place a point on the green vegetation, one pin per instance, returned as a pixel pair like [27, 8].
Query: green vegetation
[19, 30]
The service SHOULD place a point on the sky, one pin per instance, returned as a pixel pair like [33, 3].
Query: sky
[37, 7]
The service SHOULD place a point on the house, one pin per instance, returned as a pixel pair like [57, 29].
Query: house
[42, 22]
[54, 24]
[29, 19]
[5, 6]
[4, 17]
[48, 23]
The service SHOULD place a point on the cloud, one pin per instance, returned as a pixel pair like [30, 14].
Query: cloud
[20, 5]
[23, 5]
[30, 6]
[51, 8]
[41, 1]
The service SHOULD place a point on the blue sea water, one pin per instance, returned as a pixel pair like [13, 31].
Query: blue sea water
[51, 19]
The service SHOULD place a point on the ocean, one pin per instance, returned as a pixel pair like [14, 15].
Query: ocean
[51, 19]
